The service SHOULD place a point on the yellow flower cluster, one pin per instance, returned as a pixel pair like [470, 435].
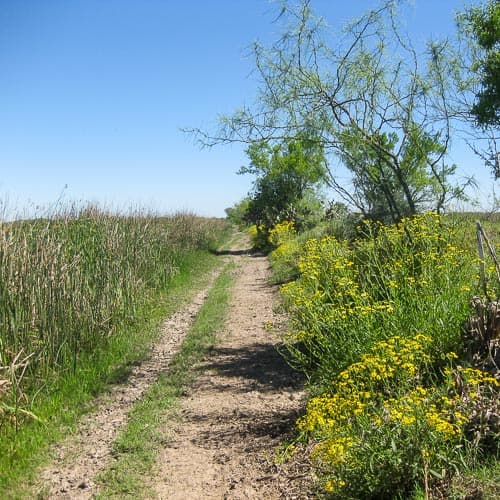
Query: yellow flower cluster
[332, 486]
[412, 253]
[421, 406]
[258, 235]
[333, 451]
[284, 257]
[358, 388]
[329, 289]
[401, 279]
[376, 282]
[282, 233]
[473, 376]
[282, 251]
[384, 391]
[252, 231]
[327, 255]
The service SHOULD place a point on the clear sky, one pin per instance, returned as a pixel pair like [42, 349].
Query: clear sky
[93, 94]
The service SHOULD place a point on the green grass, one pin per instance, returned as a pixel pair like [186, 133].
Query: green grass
[59, 396]
[138, 445]
[486, 480]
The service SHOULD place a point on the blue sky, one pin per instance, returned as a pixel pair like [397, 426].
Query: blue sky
[93, 94]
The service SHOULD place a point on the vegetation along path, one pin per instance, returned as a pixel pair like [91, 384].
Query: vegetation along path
[220, 440]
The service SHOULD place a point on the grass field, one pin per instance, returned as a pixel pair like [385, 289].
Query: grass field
[81, 296]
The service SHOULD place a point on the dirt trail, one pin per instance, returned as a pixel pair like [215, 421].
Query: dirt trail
[79, 458]
[242, 402]
[230, 420]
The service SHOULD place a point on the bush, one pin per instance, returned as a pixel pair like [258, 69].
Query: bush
[283, 237]
[259, 237]
[376, 326]
[404, 279]
[385, 425]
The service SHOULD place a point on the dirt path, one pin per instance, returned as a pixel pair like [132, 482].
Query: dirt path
[79, 458]
[231, 420]
[242, 402]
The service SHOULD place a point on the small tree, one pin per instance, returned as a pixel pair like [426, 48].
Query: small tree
[483, 25]
[385, 193]
[479, 78]
[368, 98]
[286, 178]
[237, 213]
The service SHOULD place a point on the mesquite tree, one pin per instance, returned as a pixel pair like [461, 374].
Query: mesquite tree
[376, 105]
[287, 177]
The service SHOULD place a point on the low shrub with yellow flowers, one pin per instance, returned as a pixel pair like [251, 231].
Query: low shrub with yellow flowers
[385, 426]
[286, 248]
[377, 316]
[403, 279]
[282, 233]
[287, 244]
[258, 236]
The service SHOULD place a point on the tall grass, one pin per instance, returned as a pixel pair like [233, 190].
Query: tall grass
[70, 283]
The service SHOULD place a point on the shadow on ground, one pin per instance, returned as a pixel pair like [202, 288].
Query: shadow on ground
[247, 251]
[244, 428]
[260, 366]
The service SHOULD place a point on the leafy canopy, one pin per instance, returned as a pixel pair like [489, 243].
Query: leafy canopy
[372, 102]
[483, 26]
[286, 176]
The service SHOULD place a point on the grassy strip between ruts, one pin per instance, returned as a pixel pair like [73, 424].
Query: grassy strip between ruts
[61, 403]
[137, 447]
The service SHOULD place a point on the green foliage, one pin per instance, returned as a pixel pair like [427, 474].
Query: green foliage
[353, 295]
[237, 213]
[389, 194]
[341, 223]
[287, 244]
[286, 177]
[483, 25]
[386, 410]
[259, 237]
[67, 394]
[376, 325]
[284, 258]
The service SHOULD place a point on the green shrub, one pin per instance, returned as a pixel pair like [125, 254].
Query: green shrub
[284, 258]
[377, 326]
[259, 237]
[405, 279]
[385, 426]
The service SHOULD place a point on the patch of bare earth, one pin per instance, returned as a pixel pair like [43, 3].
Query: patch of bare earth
[244, 401]
[79, 458]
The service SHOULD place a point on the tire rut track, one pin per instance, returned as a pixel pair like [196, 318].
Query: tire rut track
[242, 403]
[79, 459]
